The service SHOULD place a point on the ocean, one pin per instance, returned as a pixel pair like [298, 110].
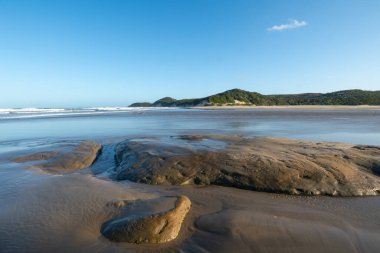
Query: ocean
[352, 126]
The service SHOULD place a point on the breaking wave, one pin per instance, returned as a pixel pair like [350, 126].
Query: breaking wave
[24, 113]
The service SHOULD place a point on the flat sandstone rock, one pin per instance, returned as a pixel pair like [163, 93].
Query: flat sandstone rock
[64, 158]
[144, 221]
[262, 164]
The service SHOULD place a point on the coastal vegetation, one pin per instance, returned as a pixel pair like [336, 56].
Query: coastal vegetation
[242, 97]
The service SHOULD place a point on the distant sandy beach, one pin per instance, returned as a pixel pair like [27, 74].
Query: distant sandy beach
[292, 107]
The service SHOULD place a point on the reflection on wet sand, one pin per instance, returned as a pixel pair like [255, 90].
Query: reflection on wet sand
[44, 212]
[65, 213]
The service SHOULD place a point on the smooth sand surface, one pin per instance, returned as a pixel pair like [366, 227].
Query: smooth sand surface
[64, 213]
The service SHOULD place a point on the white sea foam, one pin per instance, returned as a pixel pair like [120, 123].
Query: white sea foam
[25, 113]
[31, 110]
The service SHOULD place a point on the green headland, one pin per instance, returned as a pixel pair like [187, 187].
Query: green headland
[242, 97]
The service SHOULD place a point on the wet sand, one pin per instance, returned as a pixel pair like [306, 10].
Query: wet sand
[64, 213]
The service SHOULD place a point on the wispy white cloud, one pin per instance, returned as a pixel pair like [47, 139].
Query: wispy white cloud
[292, 24]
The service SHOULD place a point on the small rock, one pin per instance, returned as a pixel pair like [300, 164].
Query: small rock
[65, 158]
[148, 228]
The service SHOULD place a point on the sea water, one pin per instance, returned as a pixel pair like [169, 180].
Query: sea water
[352, 126]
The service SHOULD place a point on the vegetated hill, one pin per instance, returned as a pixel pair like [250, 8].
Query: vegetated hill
[242, 97]
[141, 104]
[345, 97]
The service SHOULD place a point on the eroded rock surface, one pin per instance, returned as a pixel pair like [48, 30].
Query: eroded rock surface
[262, 163]
[144, 221]
[64, 158]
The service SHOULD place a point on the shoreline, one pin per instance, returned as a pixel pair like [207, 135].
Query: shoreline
[296, 107]
[222, 219]
[67, 211]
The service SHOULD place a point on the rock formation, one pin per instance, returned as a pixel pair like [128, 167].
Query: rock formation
[140, 226]
[65, 158]
[262, 164]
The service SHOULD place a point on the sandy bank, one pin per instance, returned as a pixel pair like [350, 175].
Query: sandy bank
[291, 107]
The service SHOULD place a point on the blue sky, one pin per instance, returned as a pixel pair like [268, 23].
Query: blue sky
[112, 53]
